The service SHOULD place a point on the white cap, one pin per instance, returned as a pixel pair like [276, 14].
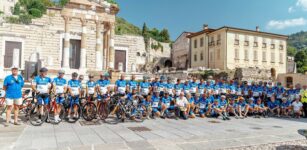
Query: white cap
[14, 67]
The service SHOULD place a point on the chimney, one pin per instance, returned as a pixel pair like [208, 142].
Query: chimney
[205, 27]
[257, 28]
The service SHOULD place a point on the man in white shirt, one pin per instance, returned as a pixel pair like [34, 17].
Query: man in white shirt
[297, 107]
[181, 107]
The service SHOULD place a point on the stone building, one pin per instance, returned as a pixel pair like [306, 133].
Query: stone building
[180, 52]
[288, 79]
[228, 48]
[6, 6]
[79, 37]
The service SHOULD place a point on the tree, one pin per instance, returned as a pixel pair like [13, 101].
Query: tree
[145, 30]
[291, 51]
[165, 36]
[301, 61]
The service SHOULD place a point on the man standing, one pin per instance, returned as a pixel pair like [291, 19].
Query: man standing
[13, 85]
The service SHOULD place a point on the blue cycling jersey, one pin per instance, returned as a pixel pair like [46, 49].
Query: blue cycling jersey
[13, 86]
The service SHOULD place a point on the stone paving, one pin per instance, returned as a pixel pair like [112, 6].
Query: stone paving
[164, 134]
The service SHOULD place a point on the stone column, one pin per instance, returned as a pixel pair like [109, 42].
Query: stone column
[65, 57]
[111, 49]
[83, 44]
[99, 46]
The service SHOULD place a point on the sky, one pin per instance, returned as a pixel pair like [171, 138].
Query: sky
[276, 16]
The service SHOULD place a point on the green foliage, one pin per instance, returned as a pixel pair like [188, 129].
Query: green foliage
[16, 9]
[124, 27]
[291, 51]
[12, 19]
[62, 3]
[1, 12]
[25, 19]
[157, 46]
[205, 74]
[301, 61]
[35, 13]
[112, 1]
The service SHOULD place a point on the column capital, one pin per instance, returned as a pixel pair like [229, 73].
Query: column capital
[66, 18]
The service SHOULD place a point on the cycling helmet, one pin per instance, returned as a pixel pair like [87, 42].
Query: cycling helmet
[61, 72]
[43, 70]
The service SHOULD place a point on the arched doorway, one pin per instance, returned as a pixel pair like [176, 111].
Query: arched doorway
[289, 81]
[273, 73]
[168, 64]
[157, 69]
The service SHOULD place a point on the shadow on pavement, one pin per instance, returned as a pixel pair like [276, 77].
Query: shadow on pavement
[289, 147]
[303, 120]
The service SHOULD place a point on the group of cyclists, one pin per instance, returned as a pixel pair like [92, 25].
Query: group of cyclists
[187, 98]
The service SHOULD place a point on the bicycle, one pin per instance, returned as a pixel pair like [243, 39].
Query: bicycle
[104, 107]
[70, 111]
[39, 112]
[54, 108]
[89, 110]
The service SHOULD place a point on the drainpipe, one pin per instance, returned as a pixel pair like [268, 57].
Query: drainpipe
[225, 60]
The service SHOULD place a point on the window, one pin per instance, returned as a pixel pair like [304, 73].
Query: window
[255, 55]
[236, 53]
[138, 54]
[281, 58]
[201, 42]
[263, 45]
[255, 44]
[211, 43]
[246, 42]
[218, 54]
[264, 56]
[272, 46]
[218, 42]
[201, 56]
[281, 47]
[195, 57]
[211, 56]
[237, 41]
[195, 43]
[246, 54]
[272, 57]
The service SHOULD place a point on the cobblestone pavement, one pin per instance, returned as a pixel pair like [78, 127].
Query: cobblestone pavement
[250, 133]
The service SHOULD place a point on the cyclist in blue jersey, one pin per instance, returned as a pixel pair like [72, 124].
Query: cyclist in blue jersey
[246, 89]
[280, 92]
[251, 106]
[241, 107]
[166, 105]
[201, 87]
[170, 87]
[154, 84]
[132, 84]
[74, 90]
[193, 87]
[178, 88]
[161, 86]
[156, 104]
[120, 86]
[41, 85]
[274, 107]
[186, 87]
[231, 108]
[291, 93]
[285, 107]
[59, 88]
[90, 90]
[144, 87]
[260, 109]
[217, 110]
[191, 105]
[103, 86]
[202, 104]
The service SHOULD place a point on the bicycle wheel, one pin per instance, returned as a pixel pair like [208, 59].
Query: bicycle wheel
[51, 113]
[38, 115]
[120, 114]
[72, 115]
[89, 111]
[103, 110]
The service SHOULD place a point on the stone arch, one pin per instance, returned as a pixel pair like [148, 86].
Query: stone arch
[289, 81]
[168, 63]
[273, 73]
